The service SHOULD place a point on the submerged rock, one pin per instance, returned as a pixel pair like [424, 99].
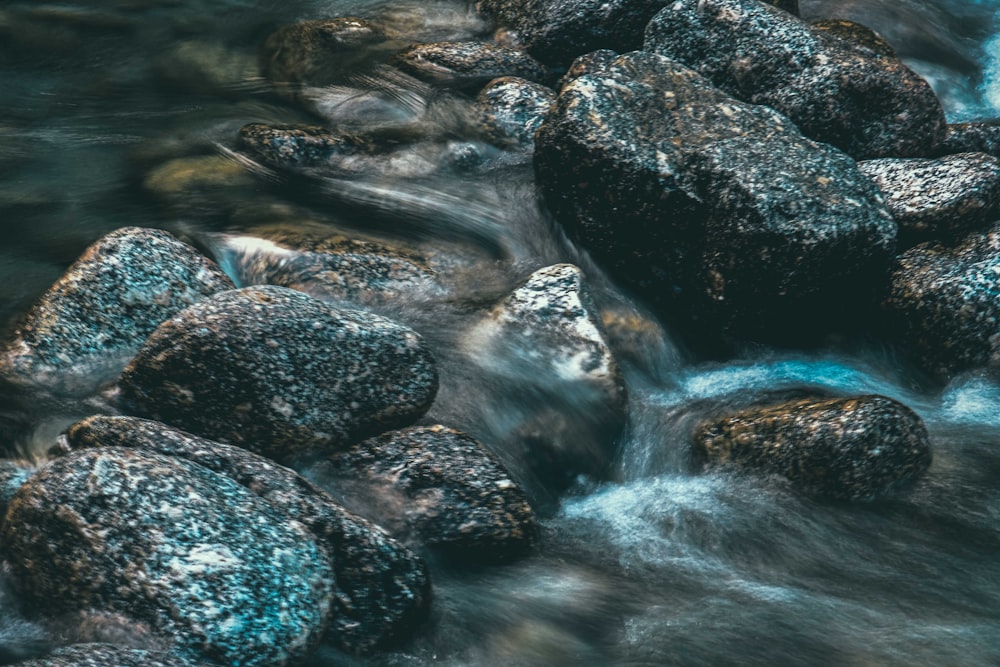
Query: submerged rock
[943, 303]
[383, 589]
[451, 492]
[108, 655]
[937, 198]
[854, 449]
[468, 64]
[280, 373]
[837, 90]
[79, 334]
[197, 556]
[692, 197]
[513, 109]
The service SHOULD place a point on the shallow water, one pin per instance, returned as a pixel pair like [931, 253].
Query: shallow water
[644, 559]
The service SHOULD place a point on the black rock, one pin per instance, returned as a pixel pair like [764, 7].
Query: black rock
[973, 137]
[853, 449]
[383, 588]
[81, 332]
[588, 63]
[468, 64]
[693, 198]
[513, 109]
[108, 655]
[280, 373]
[299, 146]
[836, 89]
[12, 475]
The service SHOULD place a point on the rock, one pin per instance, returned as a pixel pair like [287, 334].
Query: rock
[974, 137]
[443, 486]
[332, 267]
[790, 6]
[79, 334]
[697, 200]
[280, 373]
[12, 476]
[203, 172]
[837, 90]
[383, 588]
[861, 35]
[943, 302]
[467, 64]
[513, 109]
[108, 655]
[298, 146]
[556, 31]
[200, 558]
[937, 198]
[853, 449]
[588, 63]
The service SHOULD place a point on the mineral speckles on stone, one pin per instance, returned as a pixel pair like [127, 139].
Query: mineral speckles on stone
[588, 63]
[299, 146]
[935, 198]
[107, 655]
[973, 137]
[854, 449]
[467, 64]
[104, 306]
[944, 303]
[197, 556]
[456, 494]
[513, 109]
[280, 373]
[12, 476]
[837, 90]
[383, 588]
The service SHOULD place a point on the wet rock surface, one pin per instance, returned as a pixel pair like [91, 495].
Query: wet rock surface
[972, 137]
[853, 449]
[108, 655]
[943, 302]
[452, 493]
[82, 330]
[197, 556]
[280, 373]
[588, 63]
[12, 476]
[938, 198]
[836, 90]
[299, 146]
[694, 198]
[467, 64]
[513, 109]
[383, 589]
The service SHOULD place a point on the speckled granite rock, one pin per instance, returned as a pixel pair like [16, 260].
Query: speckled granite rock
[194, 554]
[452, 493]
[108, 655]
[513, 109]
[12, 476]
[280, 373]
[944, 302]
[588, 63]
[694, 198]
[974, 137]
[861, 35]
[80, 332]
[468, 64]
[854, 449]
[383, 589]
[937, 198]
[836, 90]
[291, 146]
[331, 267]
[557, 31]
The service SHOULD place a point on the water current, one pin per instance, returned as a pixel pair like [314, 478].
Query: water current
[647, 561]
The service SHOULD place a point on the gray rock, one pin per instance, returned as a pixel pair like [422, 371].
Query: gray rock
[588, 63]
[693, 198]
[200, 558]
[854, 449]
[974, 137]
[937, 198]
[860, 34]
[513, 109]
[943, 302]
[108, 655]
[557, 31]
[81, 332]
[835, 89]
[449, 491]
[12, 475]
[280, 373]
[468, 64]
[383, 588]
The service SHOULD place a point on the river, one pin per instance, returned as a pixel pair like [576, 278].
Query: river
[648, 562]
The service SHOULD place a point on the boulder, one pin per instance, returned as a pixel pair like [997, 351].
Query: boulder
[467, 64]
[972, 137]
[836, 89]
[695, 199]
[444, 487]
[512, 109]
[854, 449]
[383, 589]
[280, 373]
[12, 475]
[202, 559]
[940, 197]
[80, 332]
[943, 303]
[108, 655]
[299, 146]
[588, 63]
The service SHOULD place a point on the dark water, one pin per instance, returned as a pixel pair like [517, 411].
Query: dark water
[120, 113]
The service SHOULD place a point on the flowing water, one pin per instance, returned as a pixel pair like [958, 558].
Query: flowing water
[643, 560]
